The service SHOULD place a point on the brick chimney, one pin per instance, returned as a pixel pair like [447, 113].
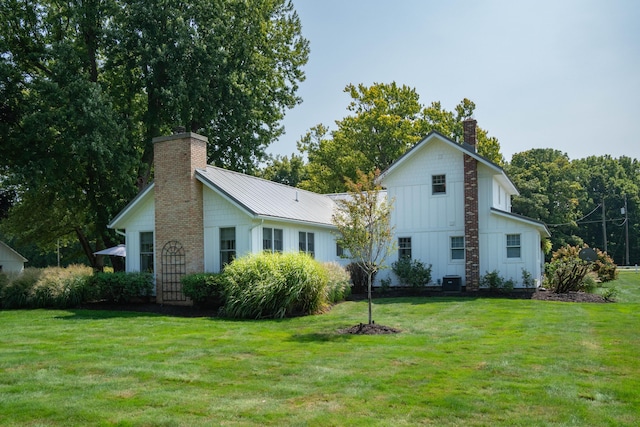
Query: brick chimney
[179, 238]
[472, 241]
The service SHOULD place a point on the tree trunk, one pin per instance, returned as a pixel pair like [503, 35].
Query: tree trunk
[86, 247]
[369, 274]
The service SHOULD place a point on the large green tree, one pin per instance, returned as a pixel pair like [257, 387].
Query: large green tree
[385, 121]
[610, 184]
[85, 86]
[549, 192]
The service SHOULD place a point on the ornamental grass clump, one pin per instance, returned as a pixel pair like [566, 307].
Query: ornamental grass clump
[274, 285]
[51, 287]
[338, 282]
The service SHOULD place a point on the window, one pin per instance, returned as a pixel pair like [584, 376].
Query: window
[438, 184]
[339, 250]
[306, 243]
[457, 247]
[513, 246]
[404, 247]
[227, 245]
[272, 239]
[146, 251]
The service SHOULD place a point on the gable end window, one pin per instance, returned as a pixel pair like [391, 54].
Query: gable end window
[404, 247]
[513, 246]
[438, 184]
[457, 248]
[306, 243]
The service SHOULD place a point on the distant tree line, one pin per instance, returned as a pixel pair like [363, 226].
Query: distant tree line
[584, 201]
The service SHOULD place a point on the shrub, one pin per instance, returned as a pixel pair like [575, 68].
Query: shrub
[358, 278]
[610, 294]
[338, 282]
[566, 275]
[205, 289]
[412, 272]
[122, 287]
[527, 279]
[61, 287]
[604, 267]
[496, 283]
[48, 287]
[274, 285]
[16, 292]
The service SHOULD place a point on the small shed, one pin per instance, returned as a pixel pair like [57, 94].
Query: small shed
[10, 260]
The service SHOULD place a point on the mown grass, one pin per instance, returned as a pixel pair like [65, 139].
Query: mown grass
[458, 361]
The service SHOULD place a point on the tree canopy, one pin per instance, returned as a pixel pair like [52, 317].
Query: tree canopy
[385, 121]
[85, 86]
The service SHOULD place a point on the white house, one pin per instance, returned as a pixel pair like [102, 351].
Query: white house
[10, 260]
[451, 210]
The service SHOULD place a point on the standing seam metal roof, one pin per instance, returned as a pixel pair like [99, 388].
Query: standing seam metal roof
[267, 199]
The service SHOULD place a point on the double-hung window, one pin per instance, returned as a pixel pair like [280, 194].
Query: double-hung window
[272, 239]
[404, 247]
[306, 243]
[227, 245]
[457, 248]
[438, 184]
[146, 251]
[513, 246]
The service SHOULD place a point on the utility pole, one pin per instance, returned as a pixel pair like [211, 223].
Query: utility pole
[626, 226]
[604, 227]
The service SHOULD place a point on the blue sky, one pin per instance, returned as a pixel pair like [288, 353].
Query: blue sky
[561, 74]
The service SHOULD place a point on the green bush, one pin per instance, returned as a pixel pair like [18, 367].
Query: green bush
[496, 283]
[205, 289]
[16, 293]
[413, 273]
[4, 281]
[566, 275]
[122, 287]
[604, 267]
[338, 282]
[274, 285]
[48, 287]
[358, 278]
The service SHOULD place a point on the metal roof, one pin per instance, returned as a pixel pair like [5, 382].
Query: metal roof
[541, 226]
[13, 252]
[267, 199]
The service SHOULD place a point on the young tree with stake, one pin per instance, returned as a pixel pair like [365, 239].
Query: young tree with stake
[363, 220]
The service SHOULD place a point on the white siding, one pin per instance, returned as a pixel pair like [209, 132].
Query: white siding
[431, 220]
[142, 219]
[10, 261]
[493, 249]
[220, 213]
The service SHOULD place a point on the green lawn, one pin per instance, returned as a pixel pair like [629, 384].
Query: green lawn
[458, 362]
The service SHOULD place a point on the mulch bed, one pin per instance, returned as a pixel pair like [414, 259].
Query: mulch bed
[369, 329]
[568, 297]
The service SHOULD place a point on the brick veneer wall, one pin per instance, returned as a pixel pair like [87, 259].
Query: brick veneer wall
[472, 242]
[178, 201]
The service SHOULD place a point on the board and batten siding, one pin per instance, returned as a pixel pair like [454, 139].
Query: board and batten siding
[219, 212]
[142, 220]
[429, 219]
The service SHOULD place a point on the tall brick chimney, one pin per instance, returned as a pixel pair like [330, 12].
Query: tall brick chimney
[471, 238]
[179, 238]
